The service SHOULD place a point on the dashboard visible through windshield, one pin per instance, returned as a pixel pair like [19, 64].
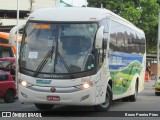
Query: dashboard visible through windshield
[58, 48]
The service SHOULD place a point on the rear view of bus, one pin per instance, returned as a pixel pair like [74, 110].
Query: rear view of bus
[64, 58]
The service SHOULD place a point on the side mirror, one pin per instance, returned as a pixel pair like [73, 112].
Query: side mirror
[99, 37]
[12, 34]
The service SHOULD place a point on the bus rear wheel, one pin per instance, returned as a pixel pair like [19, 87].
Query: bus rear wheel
[44, 106]
[108, 101]
[133, 97]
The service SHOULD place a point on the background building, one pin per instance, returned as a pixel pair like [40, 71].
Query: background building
[8, 11]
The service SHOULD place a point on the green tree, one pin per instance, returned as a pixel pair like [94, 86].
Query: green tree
[149, 22]
[142, 13]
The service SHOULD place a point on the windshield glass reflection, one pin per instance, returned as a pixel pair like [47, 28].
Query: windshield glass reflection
[58, 48]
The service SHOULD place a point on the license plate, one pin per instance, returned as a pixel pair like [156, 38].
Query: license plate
[53, 98]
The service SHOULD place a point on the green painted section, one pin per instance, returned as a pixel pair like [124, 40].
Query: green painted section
[122, 78]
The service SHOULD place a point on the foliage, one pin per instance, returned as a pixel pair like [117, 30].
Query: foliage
[142, 13]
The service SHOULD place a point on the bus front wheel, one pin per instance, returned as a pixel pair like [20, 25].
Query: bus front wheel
[44, 106]
[108, 101]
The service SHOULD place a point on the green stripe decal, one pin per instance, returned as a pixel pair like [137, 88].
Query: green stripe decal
[122, 79]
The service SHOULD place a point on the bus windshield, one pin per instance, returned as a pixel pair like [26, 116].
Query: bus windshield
[58, 48]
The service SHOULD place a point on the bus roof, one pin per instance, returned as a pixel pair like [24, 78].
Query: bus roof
[67, 14]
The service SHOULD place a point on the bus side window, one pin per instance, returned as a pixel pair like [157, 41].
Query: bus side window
[102, 52]
[4, 41]
[5, 54]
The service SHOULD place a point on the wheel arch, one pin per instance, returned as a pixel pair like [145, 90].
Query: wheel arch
[137, 82]
[110, 82]
[10, 89]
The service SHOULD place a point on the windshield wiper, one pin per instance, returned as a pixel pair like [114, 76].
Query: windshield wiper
[42, 64]
[64, 62]
[44, 61]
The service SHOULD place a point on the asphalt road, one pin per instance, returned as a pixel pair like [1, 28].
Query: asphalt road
[146, 103]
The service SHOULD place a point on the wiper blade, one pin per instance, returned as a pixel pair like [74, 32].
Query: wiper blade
[64, 62]
[42, 64]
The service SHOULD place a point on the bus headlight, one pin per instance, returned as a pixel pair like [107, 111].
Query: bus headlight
[85, 85]
[24, 83]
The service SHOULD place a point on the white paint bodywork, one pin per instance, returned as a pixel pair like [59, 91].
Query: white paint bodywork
[98, 91]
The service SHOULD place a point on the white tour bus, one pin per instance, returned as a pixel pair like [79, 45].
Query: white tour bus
[80, 56]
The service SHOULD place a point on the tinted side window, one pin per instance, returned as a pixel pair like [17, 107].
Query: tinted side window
[142, 43]
[131, 41]
[118, 37]
[121, 38]
[113, 36]
[3, 76]
[4, 41]
[6, 52]
[125, 39]
[102, 52]
[105, 23]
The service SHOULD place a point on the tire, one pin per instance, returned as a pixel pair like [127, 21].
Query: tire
[9, 97]
[125, 99]
[133, 97]
[157, 93]
[108, 101]
[44, 106]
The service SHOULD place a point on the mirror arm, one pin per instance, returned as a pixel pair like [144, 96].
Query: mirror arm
[99, 37]
[12, 34]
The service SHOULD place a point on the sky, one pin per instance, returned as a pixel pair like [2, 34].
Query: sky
[78, 3]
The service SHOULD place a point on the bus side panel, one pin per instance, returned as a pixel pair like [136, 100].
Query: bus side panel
[126, 60]
[123, 68]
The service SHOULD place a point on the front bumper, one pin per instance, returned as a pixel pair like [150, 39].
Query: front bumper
[81, 97]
